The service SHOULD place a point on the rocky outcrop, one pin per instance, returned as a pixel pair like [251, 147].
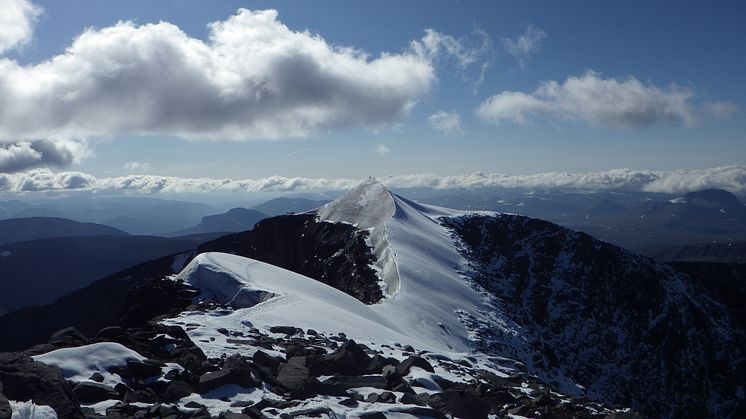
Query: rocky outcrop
[628, 329]
[23, 379]
[333, 253]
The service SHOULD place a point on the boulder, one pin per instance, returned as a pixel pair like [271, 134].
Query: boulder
[413, 361]
[348, 382]
[146, 368]
[296, 378]
[88, 392]
[215, 379]
[287, 330]
[23, 380]
[459, 403]
[176, 390]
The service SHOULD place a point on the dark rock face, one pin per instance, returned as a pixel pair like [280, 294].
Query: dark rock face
[630, 330]
[333, 253]
[23, 380]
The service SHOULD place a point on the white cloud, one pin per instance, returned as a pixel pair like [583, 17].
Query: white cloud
[383, 149]
[17, 20]
[136, 167]
[732, 178]
[721, 110]
[23, 155]
[594, 100]
[472, 54]
[253, 78]
[524, 46]
[448, 123]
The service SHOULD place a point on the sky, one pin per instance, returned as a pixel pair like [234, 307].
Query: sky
[142, 92]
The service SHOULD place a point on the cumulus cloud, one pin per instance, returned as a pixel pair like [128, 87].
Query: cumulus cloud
[525, 45]
[732, 178]
[253, 78]
[448, 123]
[17, 21]
[137, 167]
[383, 149]
[23, 155]
[594, 100]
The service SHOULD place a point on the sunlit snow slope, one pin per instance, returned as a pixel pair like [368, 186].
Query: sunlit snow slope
[417, 259]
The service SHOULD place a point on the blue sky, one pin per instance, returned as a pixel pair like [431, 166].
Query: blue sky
[670, 49]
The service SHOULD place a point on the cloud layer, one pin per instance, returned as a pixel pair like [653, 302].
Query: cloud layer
[732, 178]
[17, 22]
[594, 100]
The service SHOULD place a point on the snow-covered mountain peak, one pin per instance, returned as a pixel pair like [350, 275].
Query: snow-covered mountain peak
[366, 206]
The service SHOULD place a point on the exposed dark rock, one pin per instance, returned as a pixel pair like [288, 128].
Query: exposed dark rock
[458, 403]
[88, 392]
[5, 411]
[109, 332]
[146, 368]
[212, 380]
[295, 377]
[348, 382]
[288, 330]
[176, 390]
[385, 397]
[413, 361]
[23, 380]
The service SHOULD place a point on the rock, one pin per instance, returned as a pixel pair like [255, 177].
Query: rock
[68, 336]
[5, 411]
[146, 368]
[233, 415]
[88, 392]
[349, 402]
[23, 379]
[287, 330]
[413, 361]
[458, 403]
[423, 412]
[312, 332]
[262, 358]
[409, 398]
[171, 374]
[408, 348]
[97, 377]
[110, 332]
[176, 390]
[142, 395]
[385, 397]
[239, 376]
[348, 382]
[295, 377]
[350, 359]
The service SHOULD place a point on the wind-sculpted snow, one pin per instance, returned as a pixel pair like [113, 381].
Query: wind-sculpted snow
[267, 295]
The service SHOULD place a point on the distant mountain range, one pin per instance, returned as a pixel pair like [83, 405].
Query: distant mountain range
[24, 229]
[282, 206]
[234, 220]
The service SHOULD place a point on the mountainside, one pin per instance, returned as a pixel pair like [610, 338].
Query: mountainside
[24, 229]
[453, 312]
[730, 252]
[234, 220]
[627, 329]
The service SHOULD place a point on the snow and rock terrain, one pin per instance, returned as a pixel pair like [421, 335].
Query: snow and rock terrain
[376, 306]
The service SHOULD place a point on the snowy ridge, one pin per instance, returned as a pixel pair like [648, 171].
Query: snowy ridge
[369, 206]
[417, 255]
[264, 295]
